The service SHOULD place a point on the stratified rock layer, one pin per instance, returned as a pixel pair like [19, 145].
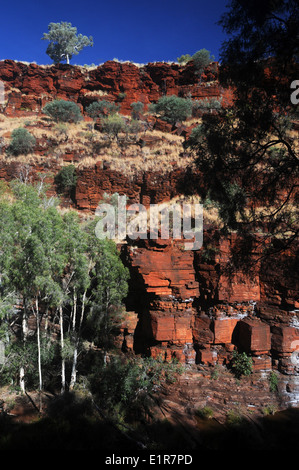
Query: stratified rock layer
[194, 310]
[30, 87]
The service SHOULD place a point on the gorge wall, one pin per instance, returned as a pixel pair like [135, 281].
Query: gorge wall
[184, 304]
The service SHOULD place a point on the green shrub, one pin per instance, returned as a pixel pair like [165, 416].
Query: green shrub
[273, 381]
[234, 419]
[135, 126]
[184, 59]
[269, 410]
[173, 109]
[63, 111]
[202, 59]
[121, 96]
[241, 364]
[205, 104]
[205, 412]
[22, 142]
[101, 108]
[66, 179]
[137, 110]
[126, 386]
[112, 125]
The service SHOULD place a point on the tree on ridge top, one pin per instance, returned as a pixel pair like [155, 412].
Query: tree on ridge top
[64, 41]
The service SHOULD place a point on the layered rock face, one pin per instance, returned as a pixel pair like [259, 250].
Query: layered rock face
[190, 308]
[30, 87]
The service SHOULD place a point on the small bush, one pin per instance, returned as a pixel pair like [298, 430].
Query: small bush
[66, 179]
[22, 142]
[273, 381]
[241, 364]
[121, 96]
[234, 419]
[205, 105]
[184, 59]
[269, 410]
[137, 110]
[63, 111]
[113, 125]
[101, 108]
[135, 127]
[202, 59]
[205, 412]
[173, 109]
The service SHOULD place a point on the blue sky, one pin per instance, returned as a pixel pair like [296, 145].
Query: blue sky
[156, 30]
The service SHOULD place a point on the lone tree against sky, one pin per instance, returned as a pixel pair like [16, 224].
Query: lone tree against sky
[65, 42]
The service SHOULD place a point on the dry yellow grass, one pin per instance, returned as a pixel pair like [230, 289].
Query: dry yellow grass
[91, 146]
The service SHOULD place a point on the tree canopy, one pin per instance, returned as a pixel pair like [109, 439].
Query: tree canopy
[63, 111]
[53, 266]
[64, 41]
[173, 109]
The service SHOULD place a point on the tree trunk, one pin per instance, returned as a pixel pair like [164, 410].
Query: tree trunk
[24, 332]
[22, 379]
[74, 367]
[74, 310]
[62, 347]
[39, 354]
[38, 346]
[75, 356]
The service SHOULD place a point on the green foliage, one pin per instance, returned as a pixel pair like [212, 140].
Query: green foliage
[49, 262]
[205, 104]
[241, 364]
[269, 410]
[173, 109]
[112, 125]
[63, 111]
[64, 41]
[134, 127]
[66, 178]
[137, 110]
[126, 387]
[205, 412]
[22, 142]
[273, 381]
[184, 59]
[234, 419]
[101, 108]
[121, 96]
[202, 59]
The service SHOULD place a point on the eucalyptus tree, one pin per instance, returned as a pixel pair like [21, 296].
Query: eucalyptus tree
[110, 287]
[36, 259]
[173, 108]
[77, 281]
[64, 41]
[55, 263]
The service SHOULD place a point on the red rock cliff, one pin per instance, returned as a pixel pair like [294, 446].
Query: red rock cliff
[30, 87]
